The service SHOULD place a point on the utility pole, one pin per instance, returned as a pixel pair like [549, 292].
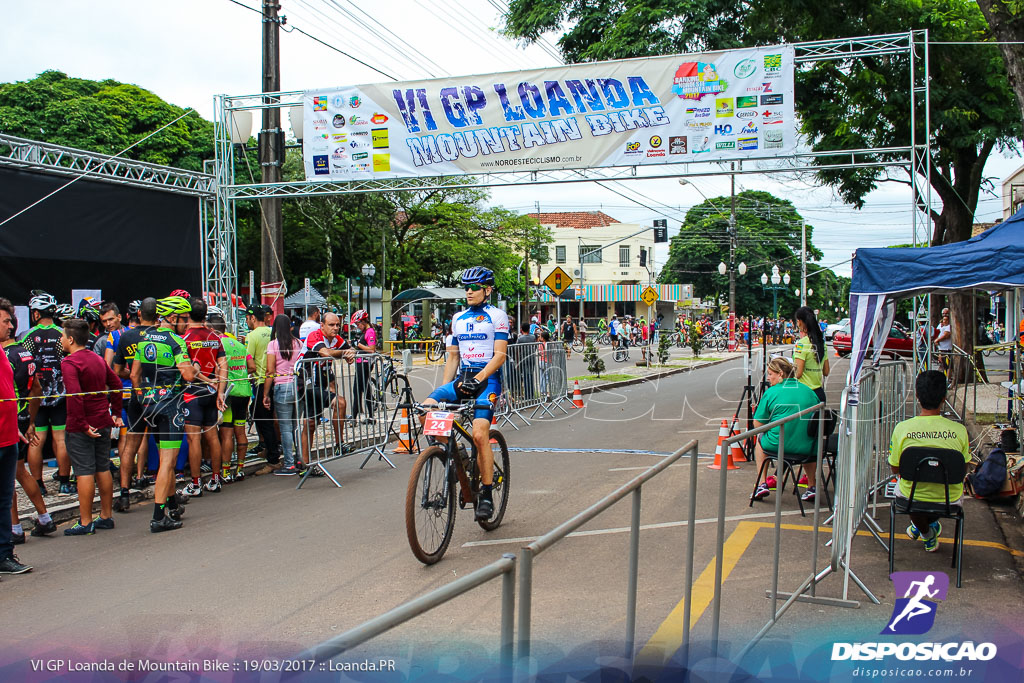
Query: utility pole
[803, 263]
[270, 148]
[732, 256]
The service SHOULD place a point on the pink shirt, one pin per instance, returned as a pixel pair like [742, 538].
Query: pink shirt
[284, 367]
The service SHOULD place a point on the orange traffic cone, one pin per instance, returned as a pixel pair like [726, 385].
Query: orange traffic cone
[723, 434]
[736, 453]
[405, 444]
[577, 396]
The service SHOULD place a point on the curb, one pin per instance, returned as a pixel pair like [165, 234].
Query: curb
[658, 375]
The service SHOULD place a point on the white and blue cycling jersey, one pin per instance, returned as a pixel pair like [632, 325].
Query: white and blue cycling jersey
[475, 330]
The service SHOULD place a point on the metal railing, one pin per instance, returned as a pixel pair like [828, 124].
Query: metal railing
[357, 421]
[529, 552]
[534, 377]
[504, 567]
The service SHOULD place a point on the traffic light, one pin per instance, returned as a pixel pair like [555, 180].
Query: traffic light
[660, 230]
[643, 257]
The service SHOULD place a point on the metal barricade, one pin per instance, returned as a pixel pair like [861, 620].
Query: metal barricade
[529, 552]
[504, 567]
[534, 376]
[342, 406]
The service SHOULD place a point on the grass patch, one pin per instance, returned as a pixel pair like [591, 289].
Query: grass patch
[608, 377]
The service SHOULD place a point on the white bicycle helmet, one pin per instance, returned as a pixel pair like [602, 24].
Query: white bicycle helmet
[42, 302]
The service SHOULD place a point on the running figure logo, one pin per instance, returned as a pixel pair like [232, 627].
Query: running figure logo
[914, 613]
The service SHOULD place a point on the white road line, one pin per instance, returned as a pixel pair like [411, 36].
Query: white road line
[625, 529]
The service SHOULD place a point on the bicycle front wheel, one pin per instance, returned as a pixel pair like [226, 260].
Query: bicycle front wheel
[435, 351]
[620, 355]
[577, 346]
[430, 506]
[499, 486]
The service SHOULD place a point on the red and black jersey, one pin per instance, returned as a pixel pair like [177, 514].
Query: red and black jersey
[24, 366]
[204, 348]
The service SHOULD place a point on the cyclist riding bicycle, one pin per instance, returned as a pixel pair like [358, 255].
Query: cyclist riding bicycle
[476, 351]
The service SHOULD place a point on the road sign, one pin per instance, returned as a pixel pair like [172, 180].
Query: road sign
[649, 296]
[558, 281]
[660, 230]
[306, 290]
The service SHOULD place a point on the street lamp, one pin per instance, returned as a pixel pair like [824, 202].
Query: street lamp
[732, 269]
[368, 272]
[775, 287]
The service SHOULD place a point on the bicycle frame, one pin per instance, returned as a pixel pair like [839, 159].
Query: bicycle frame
[453, 460]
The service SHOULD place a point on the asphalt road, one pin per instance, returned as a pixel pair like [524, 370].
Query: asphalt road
[263, 568]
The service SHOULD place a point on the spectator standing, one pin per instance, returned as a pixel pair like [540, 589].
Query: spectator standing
[552, 325]
[366, 342]
[88, 426]
[568, 335]
[239, 391]
[9, 439]
[944, 339]
[582, 327]
[283, 352]
[309, 324]
[526, 360]
[810, 359]
[256, 346]
[320, 391]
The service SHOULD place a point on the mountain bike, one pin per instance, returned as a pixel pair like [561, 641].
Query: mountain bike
[621, 352]
[384, 387]
[603, 339]
[436, 350]
[446, 472]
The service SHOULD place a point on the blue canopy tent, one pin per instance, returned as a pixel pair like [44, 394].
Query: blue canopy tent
[993, 261]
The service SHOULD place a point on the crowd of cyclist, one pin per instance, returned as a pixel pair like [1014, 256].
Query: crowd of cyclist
[167, 375]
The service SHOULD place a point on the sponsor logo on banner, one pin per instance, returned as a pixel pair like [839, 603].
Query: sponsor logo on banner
[319, 103]
[755, 88]
[677, 144]
[381, 163]
[771, 99]
[319, 124]
[379, 118]
[380, 138]
[772, 66]
[651, 153]
[357, 120]
[746, 143]
[747, 114]
[339, 137]
[723, 129]
[337, 102]
[771, 116]
[655, 141]
[723, 107]
[914, 614]
[773, 144]
[725, 145]
[745, 68]
[749, 128]
[360, 155]
[699, 112]
[363, 167]
[766, 87]
[320, 165]
[354, 102]
[359, 132]
[697, 125]
[694, 80]
[633, 148]
[338, 121]
[746, 102]
[700, 144]
[773, 135]
[340, 150]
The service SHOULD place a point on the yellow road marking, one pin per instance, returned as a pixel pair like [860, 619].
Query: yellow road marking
[669, 636]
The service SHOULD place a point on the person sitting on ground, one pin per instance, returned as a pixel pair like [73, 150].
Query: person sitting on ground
[928, 429]
[785, 396]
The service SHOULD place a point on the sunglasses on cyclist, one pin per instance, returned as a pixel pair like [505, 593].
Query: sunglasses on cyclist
[474, 288]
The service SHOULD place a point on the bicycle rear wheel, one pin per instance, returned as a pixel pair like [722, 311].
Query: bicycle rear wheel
[435, 352]
[577, 346]
[620, 354]
[499, 486]
[430, 506]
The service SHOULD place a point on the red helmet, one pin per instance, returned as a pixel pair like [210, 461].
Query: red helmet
[359, 316]
[181, 292]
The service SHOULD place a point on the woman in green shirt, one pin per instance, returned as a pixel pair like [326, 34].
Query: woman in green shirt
[810, 359]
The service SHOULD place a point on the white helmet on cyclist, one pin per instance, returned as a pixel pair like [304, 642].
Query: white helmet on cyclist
[42, 301]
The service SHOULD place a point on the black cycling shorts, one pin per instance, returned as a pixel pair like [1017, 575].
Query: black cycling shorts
[52, 417]
[22, 445]
[200, 410]
[133, 420]
[166, 429]
[237, 412]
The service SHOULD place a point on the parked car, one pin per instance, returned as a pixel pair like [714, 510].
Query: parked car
[899, 343]
[836, 327]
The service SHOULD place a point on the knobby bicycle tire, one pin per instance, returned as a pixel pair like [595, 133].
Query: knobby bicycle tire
[435, 352]
[500, 483]
[620, 355]
[427, 482]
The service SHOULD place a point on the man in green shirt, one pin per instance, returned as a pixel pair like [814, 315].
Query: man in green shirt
[256, 346]
[161, 366]
[931, 430]
[232, 427]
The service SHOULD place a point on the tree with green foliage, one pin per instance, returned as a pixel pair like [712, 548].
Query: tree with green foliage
[104, 116]
[694, 340]
[664, 348]
[842, 105]
[768, 233]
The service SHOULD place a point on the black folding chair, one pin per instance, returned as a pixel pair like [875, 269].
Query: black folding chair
[924, 464]
[789, 464]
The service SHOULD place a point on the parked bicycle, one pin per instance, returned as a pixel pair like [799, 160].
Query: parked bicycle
[431, 496]
[436, 348]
